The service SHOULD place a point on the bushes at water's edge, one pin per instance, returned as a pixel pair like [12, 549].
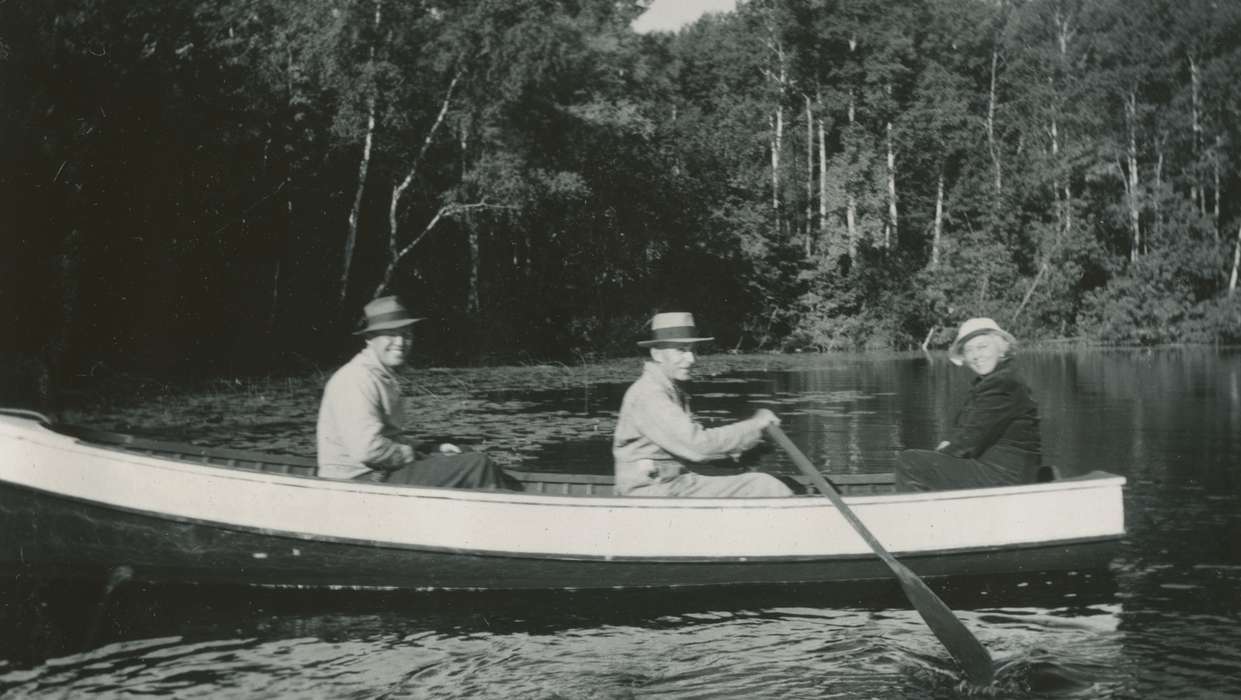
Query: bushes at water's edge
[1165, 298]
[182, 199]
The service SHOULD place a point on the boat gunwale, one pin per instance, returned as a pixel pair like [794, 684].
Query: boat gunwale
[1091, 480]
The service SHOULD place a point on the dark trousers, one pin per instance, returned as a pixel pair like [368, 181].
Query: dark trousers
[468, 470]
[928, 470]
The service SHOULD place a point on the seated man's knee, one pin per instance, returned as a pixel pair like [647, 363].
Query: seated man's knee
[766, 485]
[794, 486]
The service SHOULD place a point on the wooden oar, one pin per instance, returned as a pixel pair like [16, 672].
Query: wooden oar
[959, 641]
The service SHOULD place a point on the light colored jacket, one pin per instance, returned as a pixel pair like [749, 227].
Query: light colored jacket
[656, 434]
[359, 420]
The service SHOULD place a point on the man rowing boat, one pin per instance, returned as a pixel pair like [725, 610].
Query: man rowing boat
[657, 437]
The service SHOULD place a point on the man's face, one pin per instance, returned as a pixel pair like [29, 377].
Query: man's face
[391, 347]
[674, 361]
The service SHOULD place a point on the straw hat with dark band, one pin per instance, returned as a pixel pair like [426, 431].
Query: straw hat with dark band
[673, 329]
[972, 329]
[385, 314]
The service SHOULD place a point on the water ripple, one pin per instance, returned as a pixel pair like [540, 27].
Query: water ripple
[1163, 622]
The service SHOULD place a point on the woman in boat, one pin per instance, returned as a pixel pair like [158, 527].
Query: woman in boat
[656, 436]
[994, 439]
[361, 416]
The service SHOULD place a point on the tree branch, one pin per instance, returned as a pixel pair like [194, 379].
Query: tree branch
[447, 210]
[399, 190]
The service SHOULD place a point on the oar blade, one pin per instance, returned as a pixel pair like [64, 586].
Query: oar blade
[973, 657]
[960, 642]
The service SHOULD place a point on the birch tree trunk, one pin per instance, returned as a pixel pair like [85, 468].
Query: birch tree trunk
[1131, 186]
[1068, 207]
[1196, 194]
[991, 144]
[777, 124]
[809, 179]
[445, 212]
[850, 199]
[676, 162]
[394, 251]
[1236, 262]
[473, 295]
[1064, 35]
[1025, 299]
[889, 229]
[780, 77]
[1215, 157]
[777, 133]
[351, 237]
[1063, 195]
[273, 308]
[1158, 201]
[822, 178]
[1054, 132]
[938, 229]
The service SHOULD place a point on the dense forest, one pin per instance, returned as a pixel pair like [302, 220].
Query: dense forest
[220, 185]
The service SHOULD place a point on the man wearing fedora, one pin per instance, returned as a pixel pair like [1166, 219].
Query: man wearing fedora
[362, 414]
[657, 437]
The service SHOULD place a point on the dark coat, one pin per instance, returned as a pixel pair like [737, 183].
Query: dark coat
[998, 412]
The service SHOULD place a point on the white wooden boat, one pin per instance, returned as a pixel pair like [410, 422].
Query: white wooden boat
[77, 502]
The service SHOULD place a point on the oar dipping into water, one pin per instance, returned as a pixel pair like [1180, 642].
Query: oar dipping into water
[960, 642]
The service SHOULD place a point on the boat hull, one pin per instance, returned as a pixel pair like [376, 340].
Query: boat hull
[71, 506]
[60, 537]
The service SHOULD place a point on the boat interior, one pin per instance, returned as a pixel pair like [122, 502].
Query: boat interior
[534, 482]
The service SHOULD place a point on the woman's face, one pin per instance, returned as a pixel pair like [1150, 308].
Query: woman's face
[982, 353]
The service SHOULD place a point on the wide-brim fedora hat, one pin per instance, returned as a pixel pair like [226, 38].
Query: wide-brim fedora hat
[385, 314]
[973, 328]
[673, 328]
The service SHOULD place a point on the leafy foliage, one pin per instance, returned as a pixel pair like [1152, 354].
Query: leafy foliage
[808, 174]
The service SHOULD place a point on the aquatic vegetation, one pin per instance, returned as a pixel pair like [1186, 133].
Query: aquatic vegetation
[492, 409]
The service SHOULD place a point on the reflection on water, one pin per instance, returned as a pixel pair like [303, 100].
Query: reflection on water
[756, 642]
[1163, 622]
[1169, 414]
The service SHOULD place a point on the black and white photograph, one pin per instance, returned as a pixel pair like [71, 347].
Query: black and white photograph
[620, 349]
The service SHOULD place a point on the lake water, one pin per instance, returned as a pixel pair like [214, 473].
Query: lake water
[1163, 621]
